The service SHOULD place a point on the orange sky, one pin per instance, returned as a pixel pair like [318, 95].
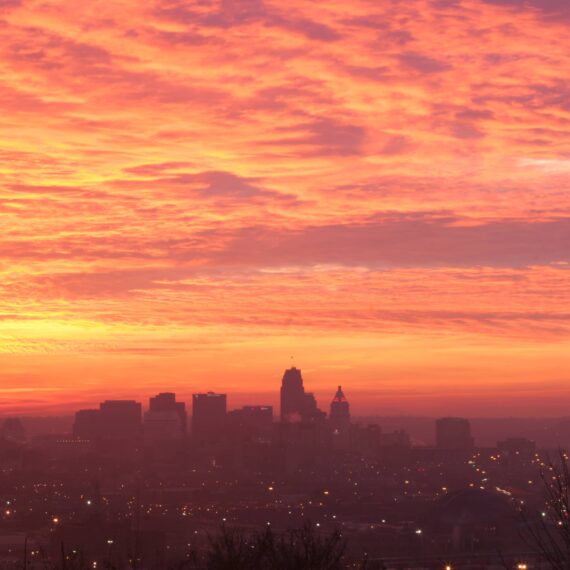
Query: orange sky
[193, 191]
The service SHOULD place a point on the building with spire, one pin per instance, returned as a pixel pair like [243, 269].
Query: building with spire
[340, 410]
[339, 420]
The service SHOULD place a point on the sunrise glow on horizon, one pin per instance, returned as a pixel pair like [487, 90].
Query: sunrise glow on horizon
[195, 192]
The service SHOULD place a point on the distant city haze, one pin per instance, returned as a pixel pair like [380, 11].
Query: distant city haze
[192, 193]
[165, 483]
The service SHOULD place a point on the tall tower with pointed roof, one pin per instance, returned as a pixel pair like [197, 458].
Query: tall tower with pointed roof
[340, 410]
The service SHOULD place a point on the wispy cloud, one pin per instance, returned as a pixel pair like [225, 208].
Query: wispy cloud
[185, 180]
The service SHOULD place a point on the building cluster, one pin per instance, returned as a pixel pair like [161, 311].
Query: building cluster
[167, 419]
[302, 430]
[300, 420]
[155, 482]
[251, 438]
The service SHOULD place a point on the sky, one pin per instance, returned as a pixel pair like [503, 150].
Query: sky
[196, 194]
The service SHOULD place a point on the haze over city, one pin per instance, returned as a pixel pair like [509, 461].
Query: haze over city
[194, 192]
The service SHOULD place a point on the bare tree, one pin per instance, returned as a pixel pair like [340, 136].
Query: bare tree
[298, 549]
[305, 549]
[548, 531]
[232, 549]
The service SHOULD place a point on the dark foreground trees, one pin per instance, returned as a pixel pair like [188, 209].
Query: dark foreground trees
[547, 532]
[305, 548]
[299, 549]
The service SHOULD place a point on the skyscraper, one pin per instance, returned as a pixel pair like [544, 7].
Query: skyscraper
[165, 419]
[114, 420]
[340, 421]
[293, 400]
[453, 434]
[120, 419]
[311, 412]
[86, 425]
[208, 416]
[296, 404]
[340, 410]
[166, 402]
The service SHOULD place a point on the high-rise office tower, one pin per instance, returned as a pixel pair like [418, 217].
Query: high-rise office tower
[340, 411]
[340, 421]
[293, 398]
[166, 402]
[208, 416]
[120, 419]
[87, 425]
[296, 404]
[311, 412]
[453, 434]
[165, 419]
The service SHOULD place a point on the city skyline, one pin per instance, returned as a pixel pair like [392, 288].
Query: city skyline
[130, 487]
[284, 284]
[372, 402]
[192, 192]
[287, 403]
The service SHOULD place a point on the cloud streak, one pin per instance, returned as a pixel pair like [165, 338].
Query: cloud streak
[202, 184]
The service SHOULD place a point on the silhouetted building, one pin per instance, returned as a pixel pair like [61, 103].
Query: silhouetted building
[453, 434]
[120, 419]
[165, 419]
[311, 412]
[340, 421]
[398, 438]
[293, 401]
[517, 447]
[254, 419]
[208, 416]
[296, 404]
[13, 430]
[166, 402]
[86, 425]
[367, 440]
[340, 411]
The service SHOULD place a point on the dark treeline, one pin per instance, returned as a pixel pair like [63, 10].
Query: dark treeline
[310, 548]
[305, 548]
[297, 549]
